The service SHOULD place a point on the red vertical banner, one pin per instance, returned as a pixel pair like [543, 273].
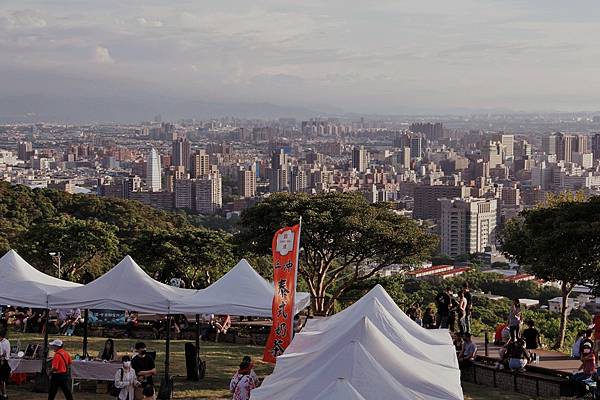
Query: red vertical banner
[286, 245]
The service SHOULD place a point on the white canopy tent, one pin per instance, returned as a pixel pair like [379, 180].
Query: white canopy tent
[241, 291]
[125, 287]
[376, 367]
[341, 389]
[364, 307]
[316, 341]
[23, 285]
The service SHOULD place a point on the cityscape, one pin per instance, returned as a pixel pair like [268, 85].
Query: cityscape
[299, 200]
[440, 171]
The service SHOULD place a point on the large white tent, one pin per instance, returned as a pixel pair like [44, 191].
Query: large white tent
[241, 291]
[315, 341]
[363, 307]
[341, 389]
[125, 287]
[376, 367]
[23, 285]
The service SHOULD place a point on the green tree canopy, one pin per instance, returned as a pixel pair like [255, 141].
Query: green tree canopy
[84, 245]
[198, 256]
[344, 239]
[558, 242]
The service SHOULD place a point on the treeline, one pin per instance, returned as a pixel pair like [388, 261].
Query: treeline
[93, 233]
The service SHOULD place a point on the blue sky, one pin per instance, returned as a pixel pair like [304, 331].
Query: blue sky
[359, 56]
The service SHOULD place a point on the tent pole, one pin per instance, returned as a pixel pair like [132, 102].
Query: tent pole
[197, 338]
[42, 383]
[166, 390]
[85, 333]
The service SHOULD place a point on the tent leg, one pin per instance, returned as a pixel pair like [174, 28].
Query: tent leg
[166, 389]
[198, 338]
[85, 333]
[42, 384]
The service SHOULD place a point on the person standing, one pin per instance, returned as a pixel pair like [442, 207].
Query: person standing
[143, 365]
[4, 367]
[242, 384]
[462, 313]
[442, 302]
[514, 320]
[126, 380]
[469, 308]
[531, 336]
[61, 363]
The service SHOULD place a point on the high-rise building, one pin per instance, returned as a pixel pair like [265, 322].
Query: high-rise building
[298, 180]
[199, 164]
[416, 147]
[583, 144]
[181, 152]
[360, 159]
[247, 183]
[596, 145]
[426, 198]
[431, 131]
[153, 171]
[24, 150]
[508, 144]
[183, 193]
[550, 143]
[493, 153]
[467, 225]
[208, 195]
[565, 146]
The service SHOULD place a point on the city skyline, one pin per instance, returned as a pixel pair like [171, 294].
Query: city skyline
[113, 61]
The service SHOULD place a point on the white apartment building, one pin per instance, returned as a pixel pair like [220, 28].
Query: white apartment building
[467, 225]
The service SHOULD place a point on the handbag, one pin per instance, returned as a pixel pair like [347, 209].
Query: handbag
[115, 391]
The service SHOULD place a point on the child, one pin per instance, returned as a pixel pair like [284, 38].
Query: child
[148, 393]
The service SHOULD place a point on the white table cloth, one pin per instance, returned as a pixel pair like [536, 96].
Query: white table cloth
[94, 370]
[22, 366]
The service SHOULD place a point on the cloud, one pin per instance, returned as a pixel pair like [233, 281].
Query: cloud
[102, 56]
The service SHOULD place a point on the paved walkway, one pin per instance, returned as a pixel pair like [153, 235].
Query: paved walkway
[549, 359]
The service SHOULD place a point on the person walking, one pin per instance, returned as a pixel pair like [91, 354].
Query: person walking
[59, 378]
[514, 320]
[4, 367]
[126, 380]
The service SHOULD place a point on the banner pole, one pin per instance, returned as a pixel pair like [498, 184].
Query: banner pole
[297, 267]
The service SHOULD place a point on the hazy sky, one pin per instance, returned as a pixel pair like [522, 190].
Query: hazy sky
[374, 56]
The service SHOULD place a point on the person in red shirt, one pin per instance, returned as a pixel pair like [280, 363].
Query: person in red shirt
[60, 371]
[596, 323]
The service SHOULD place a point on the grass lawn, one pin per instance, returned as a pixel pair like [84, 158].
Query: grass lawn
[222, 360]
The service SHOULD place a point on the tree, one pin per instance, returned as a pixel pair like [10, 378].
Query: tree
[84, 245]
[559, 241]
[197, 256]
[344, 239]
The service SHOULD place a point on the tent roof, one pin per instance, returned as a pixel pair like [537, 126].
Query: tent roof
[364, 307]
[23, 285]
[125, 287]
[444, 355]
[241, 291]
[341, 389]
[370, 362]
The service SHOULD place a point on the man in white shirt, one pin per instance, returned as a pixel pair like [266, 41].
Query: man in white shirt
[4, 367]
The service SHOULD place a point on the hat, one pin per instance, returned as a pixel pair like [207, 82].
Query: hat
[56, 343]
[587, 344]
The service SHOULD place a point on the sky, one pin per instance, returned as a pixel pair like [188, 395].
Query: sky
[293, 56]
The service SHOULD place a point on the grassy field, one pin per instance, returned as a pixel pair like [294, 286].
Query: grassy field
[222, 360]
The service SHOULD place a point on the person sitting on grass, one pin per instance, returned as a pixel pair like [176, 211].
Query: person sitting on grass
[519, 356]
[468, 352]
